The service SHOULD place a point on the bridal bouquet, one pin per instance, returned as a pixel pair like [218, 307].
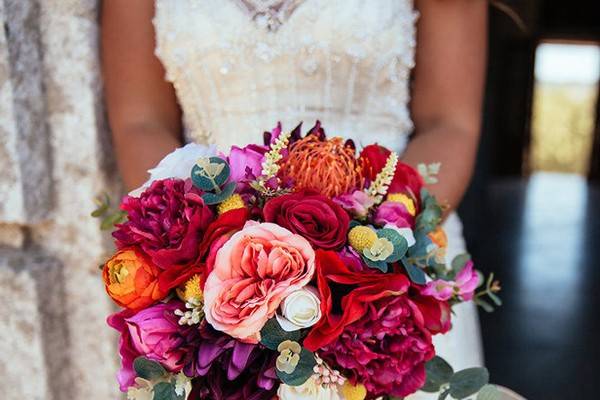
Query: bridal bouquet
[293, 269]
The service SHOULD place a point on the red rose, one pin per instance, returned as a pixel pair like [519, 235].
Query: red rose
[406, 179]
[313, 216]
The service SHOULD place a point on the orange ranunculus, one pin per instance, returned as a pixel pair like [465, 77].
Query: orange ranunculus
[439, 238]
[131, 280]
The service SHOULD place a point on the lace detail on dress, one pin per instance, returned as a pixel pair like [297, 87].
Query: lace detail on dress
[344, 62]
[269, 14]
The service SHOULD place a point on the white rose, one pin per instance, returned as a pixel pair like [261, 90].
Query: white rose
[406, 233]
[309, 390]
[300, 309]
[177, 164]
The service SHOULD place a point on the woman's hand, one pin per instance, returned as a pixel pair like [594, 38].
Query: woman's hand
[142, 107]
[448, 89]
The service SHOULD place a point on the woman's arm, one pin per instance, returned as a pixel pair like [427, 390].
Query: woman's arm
[448, 89]
[142, 108]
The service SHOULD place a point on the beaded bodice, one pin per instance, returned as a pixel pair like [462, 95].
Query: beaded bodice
[239, 66]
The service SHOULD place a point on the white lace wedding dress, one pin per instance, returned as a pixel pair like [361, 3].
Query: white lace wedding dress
[239, 66]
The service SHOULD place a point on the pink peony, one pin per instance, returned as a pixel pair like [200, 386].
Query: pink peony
[386, 349]
[167, 221]
[394, 213]
[464, 286]
[253, 272]
[246, 163]
[357, 203]
[154, 333]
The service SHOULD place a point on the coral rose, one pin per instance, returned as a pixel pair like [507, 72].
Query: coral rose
[131, 280]
[253, 272]
[317, 218]
[167, 221]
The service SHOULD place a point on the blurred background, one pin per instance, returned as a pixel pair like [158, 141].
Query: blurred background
[532, 213]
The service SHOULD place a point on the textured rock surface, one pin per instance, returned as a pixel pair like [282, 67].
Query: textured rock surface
[54, 343]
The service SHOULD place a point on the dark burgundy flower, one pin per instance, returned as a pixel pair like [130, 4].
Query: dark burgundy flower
[227, 369]
[315, 217]
[167, 221]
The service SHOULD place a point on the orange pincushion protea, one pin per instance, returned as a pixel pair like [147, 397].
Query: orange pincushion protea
[326, 166]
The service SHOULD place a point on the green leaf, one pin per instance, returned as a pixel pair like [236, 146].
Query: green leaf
[98, 212]
[489, 392]
[216, 198]
[166, 391]
[112, 219]
[272, 334]
[497, 300]
[399, 242]
[468, 381]
[487, 307]
[416, 274]
[210, 174]
[380, 265]
[431, 214]
[303, 371]
[437, 372]
[148, 369]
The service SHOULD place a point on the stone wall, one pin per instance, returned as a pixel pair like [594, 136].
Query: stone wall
[54, 159]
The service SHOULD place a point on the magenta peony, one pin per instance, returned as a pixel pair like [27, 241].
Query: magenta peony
[386, 349]
[154, 333]
[394, 213]
[167, 221]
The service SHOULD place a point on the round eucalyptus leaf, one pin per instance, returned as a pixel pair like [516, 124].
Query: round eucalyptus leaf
[468, 381]
[216, 198]
[272, 334]
[148, 369]
[165, 391]
[399, 242]
[437, 372]
[210, 173]
[489, 392]
[416, 274]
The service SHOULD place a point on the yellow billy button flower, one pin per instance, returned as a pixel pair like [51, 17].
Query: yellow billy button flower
[289, 356]
[361, 237]
[352, 392]
[233, 202]
[405, 200]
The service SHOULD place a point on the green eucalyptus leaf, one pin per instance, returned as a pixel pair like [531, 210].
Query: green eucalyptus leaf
[216, 198]
[148, 369]
[416, 274]
[444, 395]
[209, 174]
[489, 392]
[437, 372]
[380, 265]
[468, 381]
[487, 307]
[272, 334]
[166, 391]
[399, 242]
[420, 248]
[302, 372]
[497, 300]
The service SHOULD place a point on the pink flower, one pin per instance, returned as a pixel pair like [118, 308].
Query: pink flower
[386, 349]
[357, 203]
[464, 286]
[167, 221]
[246, 163]
[154, 333]
[392, 212]
[253, 272]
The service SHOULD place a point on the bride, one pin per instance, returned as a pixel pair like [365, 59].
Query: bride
[409, 76]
